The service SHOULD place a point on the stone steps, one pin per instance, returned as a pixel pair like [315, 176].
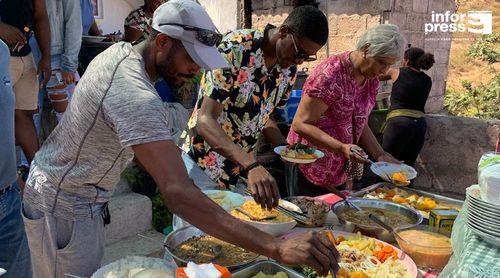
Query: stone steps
[131, 213]
[135, 246]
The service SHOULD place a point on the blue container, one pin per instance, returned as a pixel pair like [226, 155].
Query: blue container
[290, 109]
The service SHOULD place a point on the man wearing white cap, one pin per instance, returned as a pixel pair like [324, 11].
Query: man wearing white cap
[114, 115]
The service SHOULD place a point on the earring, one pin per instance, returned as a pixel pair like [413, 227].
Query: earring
[364, 55]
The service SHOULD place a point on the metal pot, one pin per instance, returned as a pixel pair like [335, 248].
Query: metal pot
[179, 236]
[375, 230]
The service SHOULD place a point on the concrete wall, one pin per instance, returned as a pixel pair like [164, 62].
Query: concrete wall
[349, 19]
[453, 146]
[224, 13]
[410, 16]
[114, 14]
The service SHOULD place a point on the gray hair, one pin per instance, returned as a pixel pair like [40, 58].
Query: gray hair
[383, 40]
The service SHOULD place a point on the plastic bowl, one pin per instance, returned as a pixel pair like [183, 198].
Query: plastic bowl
[425, 254]
[316, 210]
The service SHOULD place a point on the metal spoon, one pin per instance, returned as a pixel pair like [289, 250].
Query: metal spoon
[254, 218]
[217, 250]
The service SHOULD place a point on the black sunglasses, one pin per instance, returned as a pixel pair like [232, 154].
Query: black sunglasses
[300, 55]
[205, 36]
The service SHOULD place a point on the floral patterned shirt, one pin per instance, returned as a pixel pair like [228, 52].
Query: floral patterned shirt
[140, 21]
[249, 92]
[332, 82]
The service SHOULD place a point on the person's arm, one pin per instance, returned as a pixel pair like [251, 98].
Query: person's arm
[371, 145]
[212, 132]
[42, 33]
[392, 74]
[11, 35]
[304, 123]
[131, 34]
[272, 134]
[162, 160]
[72, 39]
[263, 186]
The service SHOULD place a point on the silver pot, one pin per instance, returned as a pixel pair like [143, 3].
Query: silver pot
[375, 230]
[181, 235]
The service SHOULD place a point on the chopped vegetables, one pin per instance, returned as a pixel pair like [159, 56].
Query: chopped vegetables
[364, 257]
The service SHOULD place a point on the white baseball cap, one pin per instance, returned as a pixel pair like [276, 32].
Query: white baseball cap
[188, 22]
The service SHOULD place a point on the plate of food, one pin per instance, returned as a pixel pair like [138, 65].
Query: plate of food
[367, 257]
[299, 153]
[399, 174]
[272, 222]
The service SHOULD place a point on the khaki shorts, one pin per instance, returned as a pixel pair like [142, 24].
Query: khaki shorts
[24, 82]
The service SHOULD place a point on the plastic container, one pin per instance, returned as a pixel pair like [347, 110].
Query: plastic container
[288, 112]
[425, 253]
[489, 177]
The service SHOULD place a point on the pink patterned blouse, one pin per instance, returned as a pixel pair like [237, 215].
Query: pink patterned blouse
[332, 82]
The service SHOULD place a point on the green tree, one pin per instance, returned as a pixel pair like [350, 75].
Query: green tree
[486, 48]
[481, 101]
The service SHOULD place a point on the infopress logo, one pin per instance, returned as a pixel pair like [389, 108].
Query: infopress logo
[478, 22]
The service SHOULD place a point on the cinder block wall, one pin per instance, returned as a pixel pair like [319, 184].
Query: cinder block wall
[349, 19]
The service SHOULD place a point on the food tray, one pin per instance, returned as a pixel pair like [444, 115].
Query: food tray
[439, 198]
[179, 236]
[268, 267]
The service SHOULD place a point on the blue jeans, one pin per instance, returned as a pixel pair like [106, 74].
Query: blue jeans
[14, 251]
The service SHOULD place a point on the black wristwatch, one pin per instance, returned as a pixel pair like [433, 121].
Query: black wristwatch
[250, 167]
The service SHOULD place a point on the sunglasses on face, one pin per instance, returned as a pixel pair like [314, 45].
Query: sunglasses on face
[301, 55]
[205, 36]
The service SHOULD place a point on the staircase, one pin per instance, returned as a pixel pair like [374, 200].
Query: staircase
[131, 214]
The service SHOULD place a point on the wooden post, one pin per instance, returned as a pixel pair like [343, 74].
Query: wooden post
[247, 14]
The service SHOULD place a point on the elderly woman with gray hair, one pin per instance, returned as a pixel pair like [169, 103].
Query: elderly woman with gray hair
[333, 112]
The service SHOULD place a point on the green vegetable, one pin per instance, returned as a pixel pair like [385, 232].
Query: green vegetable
[298, 147]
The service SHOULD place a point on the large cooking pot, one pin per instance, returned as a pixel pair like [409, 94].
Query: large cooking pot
[375, 230]
[179, 236]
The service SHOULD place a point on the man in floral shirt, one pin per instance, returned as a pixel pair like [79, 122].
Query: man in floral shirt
[235, 103]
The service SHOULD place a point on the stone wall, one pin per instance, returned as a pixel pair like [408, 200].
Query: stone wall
[410, 16]
[349, 19]
[453, 145]
[224, 13]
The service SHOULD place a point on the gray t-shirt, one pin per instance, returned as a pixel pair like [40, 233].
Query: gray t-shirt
[114, 107]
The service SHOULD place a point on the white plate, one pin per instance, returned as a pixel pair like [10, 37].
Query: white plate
[490, 228]
[382, 169]
[474, 192]
[279, 149]
[481, 213]
[93, 39]
[495, 241]
[482, 228]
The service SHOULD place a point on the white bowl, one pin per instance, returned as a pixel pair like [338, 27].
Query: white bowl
[275, 229]
[279, 149]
